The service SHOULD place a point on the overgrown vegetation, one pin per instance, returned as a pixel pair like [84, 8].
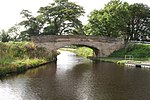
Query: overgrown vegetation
[80, 51]
[84, 51]
[140, 53]
[136, 50]
[20, 56]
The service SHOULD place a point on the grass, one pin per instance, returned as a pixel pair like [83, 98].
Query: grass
[28, 62]
[136, 50]
[18, 66]
[120, 61]
[16, 57]
[140, 53]
[68, 49]
[80, 51]
[84, 51]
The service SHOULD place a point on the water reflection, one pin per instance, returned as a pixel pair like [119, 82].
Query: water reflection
[76, 78]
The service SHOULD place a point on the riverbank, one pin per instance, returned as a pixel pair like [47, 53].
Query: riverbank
[120, 61]
[138, 53]
[17, 57]
[135, 53]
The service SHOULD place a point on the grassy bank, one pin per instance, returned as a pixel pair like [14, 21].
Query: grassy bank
[136, 50]
[140, 53]
[16, 57]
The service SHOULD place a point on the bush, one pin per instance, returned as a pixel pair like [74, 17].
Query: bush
[19, 56]
[23, 50]
[136, 50]
[84, 51]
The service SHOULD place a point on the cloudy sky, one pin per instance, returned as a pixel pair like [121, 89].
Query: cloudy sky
[10, 9]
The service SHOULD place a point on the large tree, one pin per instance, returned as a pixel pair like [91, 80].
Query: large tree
[139, 23]
[32, 24]
[58, 18]
[109, 21]
[119, 18]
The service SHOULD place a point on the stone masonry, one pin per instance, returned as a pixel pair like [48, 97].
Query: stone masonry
[102, 46]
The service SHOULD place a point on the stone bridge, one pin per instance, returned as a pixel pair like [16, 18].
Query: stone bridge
[102, 46]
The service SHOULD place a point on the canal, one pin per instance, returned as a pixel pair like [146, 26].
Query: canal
[77, 78]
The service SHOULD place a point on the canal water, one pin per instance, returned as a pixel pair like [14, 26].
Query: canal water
[76, 78]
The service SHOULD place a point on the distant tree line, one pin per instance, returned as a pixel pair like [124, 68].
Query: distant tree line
[117, 18]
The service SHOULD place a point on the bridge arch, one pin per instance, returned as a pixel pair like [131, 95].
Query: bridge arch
[102, 46]
[96, 51]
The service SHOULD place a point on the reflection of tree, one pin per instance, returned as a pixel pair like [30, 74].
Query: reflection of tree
[41, 81]
[47, 70]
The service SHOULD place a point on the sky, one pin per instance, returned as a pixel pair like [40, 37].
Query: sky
[10, 9]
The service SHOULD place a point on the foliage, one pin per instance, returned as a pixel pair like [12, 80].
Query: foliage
[58, 18]
[110, 21]
[138, 26]
[19, 66]
[61, 17]
[22, 50]
[136, 50]
[80, 51]
[14, 33]
[4, 36]
[83, 51]
[114, 60]
[119, 18]
[32, 24]
[19, 56]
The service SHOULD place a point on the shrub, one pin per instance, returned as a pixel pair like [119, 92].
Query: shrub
[136, 50]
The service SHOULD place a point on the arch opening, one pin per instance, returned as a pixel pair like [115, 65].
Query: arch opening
[95, 51]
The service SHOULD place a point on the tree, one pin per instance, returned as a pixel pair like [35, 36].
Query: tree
[139, 23]
[120, 19]
[14, 32]
[62, 15]
[58, 18]
[32, 24]
[110, 21]
[4, 36]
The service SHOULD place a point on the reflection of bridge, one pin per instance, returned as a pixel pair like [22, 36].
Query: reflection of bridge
[102, 46]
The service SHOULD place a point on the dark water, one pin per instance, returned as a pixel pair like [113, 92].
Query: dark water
[75, 78]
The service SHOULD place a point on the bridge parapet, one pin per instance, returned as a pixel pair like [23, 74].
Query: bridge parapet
[102, 46]
[68, 38]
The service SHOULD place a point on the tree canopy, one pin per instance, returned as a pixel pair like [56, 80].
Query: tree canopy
[61, 17]
[58, 18]
[119, 18]
[139, 22]
[109, 21]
